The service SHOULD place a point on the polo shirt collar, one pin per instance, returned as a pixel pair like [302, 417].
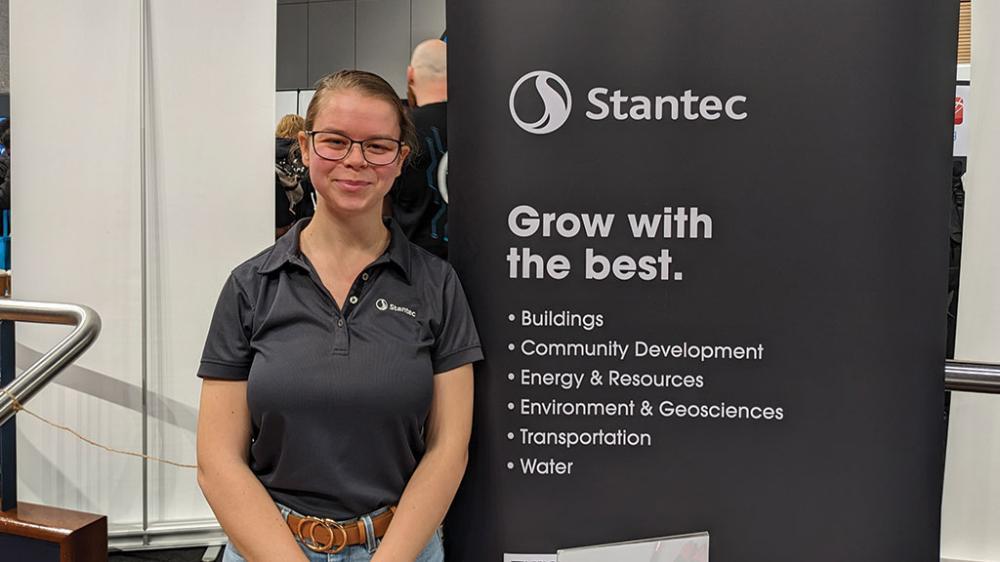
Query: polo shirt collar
[286, 249]
[399, 250]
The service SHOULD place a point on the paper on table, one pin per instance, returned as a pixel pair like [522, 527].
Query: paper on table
[679, 548]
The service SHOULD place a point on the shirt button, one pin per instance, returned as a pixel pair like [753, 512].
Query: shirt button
[364, 276]
[353, 300]
[340, 323]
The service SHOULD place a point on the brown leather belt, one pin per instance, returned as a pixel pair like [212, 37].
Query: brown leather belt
[327, 535]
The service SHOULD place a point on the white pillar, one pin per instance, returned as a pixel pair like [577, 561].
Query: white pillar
[78, 177]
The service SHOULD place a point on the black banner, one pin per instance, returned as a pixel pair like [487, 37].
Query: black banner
[705, 243]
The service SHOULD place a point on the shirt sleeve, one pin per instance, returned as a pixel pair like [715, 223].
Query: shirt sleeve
[456, 341]
[227, 353]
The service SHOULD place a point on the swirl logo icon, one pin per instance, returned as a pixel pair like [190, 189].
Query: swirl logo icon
[381, 304]
[557, 103]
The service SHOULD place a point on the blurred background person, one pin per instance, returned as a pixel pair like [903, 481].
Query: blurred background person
[5, 165]
[419, 199]
[294, 197]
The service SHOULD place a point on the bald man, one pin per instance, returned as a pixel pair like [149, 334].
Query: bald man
[419, 198]
[427, 75]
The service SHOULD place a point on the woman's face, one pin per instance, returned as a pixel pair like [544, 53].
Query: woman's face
[352, 185]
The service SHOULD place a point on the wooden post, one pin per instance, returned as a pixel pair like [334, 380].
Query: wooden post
[47, 534]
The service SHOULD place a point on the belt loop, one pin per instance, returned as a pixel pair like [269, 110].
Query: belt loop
[370, 541]
[362, 530]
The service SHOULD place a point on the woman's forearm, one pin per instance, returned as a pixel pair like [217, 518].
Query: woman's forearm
[422, 507]
[247, 513]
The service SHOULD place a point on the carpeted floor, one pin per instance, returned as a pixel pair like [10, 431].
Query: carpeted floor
[180, 555]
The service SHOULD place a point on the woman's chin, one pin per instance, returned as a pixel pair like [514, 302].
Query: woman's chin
[352, 205]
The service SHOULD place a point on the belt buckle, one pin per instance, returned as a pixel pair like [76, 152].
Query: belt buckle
[312, 543]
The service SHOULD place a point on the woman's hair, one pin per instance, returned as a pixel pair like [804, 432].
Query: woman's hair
[368, 84]
[289, 126]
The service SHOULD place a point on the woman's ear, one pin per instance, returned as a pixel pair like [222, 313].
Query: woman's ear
[303, 139]
[404, 152]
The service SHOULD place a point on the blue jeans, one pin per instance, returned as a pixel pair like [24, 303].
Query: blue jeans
[433, 552]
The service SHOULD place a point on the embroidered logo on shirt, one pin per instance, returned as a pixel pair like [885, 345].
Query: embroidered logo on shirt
[384, 305]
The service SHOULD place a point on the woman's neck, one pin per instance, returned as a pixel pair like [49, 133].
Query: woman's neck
[339, 237]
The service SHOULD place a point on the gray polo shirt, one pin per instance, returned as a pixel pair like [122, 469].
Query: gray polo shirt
[338, 396]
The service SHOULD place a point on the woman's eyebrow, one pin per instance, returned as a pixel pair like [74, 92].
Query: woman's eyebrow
[382, 136]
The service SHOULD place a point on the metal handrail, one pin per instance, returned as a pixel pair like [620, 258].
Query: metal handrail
[87, 326]
[972, 377]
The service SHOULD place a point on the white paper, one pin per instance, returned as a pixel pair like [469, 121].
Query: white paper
[507, 557]
[683, 548]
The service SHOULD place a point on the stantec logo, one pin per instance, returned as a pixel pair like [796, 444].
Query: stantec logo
[384, 305]
[606, 102]
[557, 104]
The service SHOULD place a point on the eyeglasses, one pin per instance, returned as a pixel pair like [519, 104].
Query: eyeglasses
[335, 146]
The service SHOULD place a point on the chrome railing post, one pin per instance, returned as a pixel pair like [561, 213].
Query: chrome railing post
[87, 326]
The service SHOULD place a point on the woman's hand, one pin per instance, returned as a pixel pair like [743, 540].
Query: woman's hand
[240, 502]
[432, 487]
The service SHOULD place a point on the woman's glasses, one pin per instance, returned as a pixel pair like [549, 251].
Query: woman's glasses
[335, 146]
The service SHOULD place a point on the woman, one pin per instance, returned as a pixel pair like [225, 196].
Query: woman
[336, 403]
[294, 197]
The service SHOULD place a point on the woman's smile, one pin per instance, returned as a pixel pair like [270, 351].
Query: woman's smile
[352, 184]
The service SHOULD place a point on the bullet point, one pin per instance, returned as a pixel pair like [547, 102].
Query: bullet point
[510, 435]
[510, 405]
[511, 347]
[510, 466]
[510, 376]
[511, 317]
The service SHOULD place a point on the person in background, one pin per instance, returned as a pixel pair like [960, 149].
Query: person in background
[5, 165]
[336, 402]
[419, 199]
[294, 197]
[289, 127]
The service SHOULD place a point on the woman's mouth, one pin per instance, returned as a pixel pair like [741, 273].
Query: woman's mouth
[352, 185]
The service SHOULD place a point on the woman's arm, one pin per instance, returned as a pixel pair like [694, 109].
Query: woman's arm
[241, 504]
[435, 481]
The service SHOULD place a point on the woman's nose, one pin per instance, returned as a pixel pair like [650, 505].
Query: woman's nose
[355, 158]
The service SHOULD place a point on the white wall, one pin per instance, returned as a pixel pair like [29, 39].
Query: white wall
[285, 103]
[971, 510]
[212, 180]
[291, 102]
[75, 72]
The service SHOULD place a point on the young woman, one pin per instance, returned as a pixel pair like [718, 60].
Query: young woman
[336, 401]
